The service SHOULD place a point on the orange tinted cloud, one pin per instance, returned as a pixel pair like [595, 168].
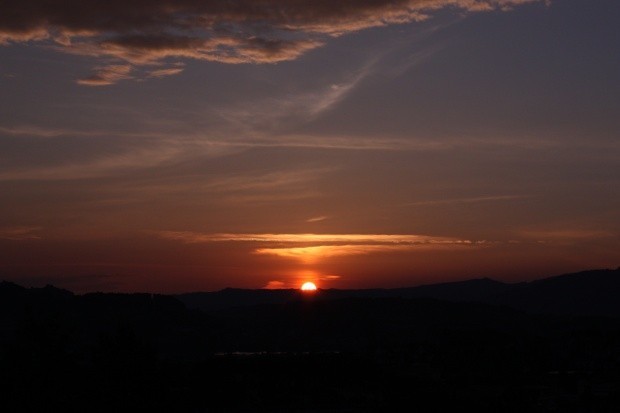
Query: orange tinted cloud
[310, 255]
[314, 254]
[317, 219]
[314, 248]
[274, 285]
[195, 237]
[107, 75]
[239, 31]
[311, 248]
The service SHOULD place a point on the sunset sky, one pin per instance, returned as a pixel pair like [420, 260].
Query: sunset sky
[172, 146]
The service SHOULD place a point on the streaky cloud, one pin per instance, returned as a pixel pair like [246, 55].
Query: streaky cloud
[22, 233]
[196, 237]
[170, 71]
[292, 107]
[310, 255]
[565, 235]
[473, 200]
[311, 248]
[317, 219]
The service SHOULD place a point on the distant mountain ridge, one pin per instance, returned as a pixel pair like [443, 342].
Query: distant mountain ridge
[460, 291]
[593, 292]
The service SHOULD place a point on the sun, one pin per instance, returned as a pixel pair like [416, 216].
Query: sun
[308, 286]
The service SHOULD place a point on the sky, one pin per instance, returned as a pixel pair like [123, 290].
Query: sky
[173, 146]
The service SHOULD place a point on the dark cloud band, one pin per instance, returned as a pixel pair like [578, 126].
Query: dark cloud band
[154, 32]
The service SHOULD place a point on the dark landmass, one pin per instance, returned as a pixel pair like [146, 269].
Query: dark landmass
[546, 346]
[471, 290]
[592, 292]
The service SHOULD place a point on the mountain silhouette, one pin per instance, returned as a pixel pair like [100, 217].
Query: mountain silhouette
[593, 292]
[470, 290]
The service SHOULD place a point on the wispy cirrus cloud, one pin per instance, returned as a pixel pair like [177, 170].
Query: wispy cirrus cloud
[267, 188]
[158, 32]
[472, 200]
[100, 166]
[267, 181]
[20, 233]
[270, 198]
[271, 113]
[203, 140]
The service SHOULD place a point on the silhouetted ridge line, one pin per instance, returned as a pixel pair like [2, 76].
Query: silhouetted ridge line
[594, 292]
[470, 290]
[591, 292]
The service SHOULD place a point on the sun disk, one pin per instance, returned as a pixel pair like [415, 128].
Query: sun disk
[308, 286]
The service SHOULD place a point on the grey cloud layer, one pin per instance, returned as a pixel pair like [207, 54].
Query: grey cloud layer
[150, 33]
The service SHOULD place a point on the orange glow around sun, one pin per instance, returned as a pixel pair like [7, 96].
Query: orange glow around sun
[308, 286]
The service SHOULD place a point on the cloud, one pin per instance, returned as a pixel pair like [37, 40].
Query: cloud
[20, 233]
[268, 181]
[311, 255]
[274, 285]
[311, 248]
[170, 71]
[318, 219]
[474, 200]
[139, 33]
[203, 142]
[269, 198]
[196, 237]
[322, 102]
[292, 107]
[261, 188]
[105, 165]
[107, 75]
[566, 235]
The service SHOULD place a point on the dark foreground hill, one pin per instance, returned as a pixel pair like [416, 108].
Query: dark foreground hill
[349, 352]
